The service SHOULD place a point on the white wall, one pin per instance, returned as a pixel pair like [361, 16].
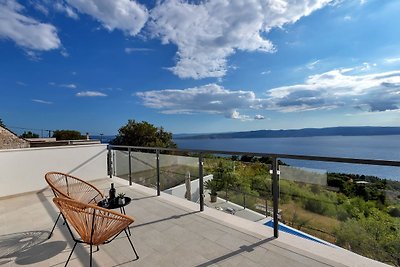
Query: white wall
[23, 170]
[180, 190]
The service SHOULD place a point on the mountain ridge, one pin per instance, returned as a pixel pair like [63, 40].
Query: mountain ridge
[305, 132]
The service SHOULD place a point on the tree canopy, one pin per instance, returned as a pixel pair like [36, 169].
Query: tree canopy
[143, 134]
[67, 135]
[29, 134]
[1, 122]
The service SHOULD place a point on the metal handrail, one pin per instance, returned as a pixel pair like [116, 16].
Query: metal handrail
[275, 173]
[271, 155]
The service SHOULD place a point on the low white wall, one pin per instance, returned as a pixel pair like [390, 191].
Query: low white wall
[23, 170]
[180, 190]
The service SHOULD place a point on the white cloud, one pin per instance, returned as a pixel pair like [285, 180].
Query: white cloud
[347, 18]
[42, 101]
[366, 66]
[70, 85]
[67, 10]
[208, 32]
[39, 7]
[266, 72]
[312, 64]
[64, 52]
[392, 60]
[210, 98]
[237, 116]
[32, 55]
[90, 94]
[259, 117]
[367, 113]
[65, 85]
[125, 15]
[130, 50]
[26, 31]
[339, 88]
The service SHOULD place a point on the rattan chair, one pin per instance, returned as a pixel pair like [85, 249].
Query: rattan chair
[94, 225]
[68, 186]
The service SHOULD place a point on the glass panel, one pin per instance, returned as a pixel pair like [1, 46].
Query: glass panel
[179, 176]
[356, 211]
[305, 175]
[143, 167]
[242, 184]
[120, 163]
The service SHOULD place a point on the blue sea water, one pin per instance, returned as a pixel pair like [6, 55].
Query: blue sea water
[385, 147]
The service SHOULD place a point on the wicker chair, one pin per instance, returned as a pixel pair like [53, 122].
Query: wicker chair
[94, 225]
[68, 186]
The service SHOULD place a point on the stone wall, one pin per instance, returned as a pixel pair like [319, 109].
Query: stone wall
[9, 140]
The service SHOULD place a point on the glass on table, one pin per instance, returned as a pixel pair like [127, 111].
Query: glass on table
[105, 202]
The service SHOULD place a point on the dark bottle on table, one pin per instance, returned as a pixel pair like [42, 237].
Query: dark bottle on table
[112, 192]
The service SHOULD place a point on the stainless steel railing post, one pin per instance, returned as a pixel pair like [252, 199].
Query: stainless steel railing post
[201, 182]
[158, 171]
[275, 194]
[109, 161]
[130, 166]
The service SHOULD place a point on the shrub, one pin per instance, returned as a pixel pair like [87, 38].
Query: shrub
[394, 212]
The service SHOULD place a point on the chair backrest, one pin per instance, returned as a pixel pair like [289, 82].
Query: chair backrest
[95, 225]
[68, 186]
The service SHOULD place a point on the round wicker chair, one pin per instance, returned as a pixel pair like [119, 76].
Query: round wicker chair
[94, 225]
[68, 186]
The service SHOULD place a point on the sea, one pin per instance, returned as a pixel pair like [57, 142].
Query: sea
[384, 147]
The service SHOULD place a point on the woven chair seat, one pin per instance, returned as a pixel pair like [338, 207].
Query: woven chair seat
[68, 186]
[71, 187]
[94, 225]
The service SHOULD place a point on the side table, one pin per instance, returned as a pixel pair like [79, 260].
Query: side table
[113, 204]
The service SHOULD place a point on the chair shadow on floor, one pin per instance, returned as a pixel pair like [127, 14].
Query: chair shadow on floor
[28, 247]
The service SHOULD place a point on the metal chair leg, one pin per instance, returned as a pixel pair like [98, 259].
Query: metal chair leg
[70, 254]
[122, 209]
[91, 251]
[54, 226]
[134, 250]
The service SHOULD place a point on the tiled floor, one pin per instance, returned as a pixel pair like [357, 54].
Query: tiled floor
[164, 233]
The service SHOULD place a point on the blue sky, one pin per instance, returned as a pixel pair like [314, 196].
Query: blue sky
[199, 66]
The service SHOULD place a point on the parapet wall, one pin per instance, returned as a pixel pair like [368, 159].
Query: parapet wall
[23, 170]
[9, 140]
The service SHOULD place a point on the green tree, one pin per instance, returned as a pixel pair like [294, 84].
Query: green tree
[2, 123]
[29, 134]
[225, 174]
[247, 158]
[143, 134]
[375, 236]
[67, 135]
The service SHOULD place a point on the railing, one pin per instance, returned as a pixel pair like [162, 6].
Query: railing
[274, 169]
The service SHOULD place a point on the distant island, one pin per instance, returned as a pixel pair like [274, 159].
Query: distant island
[306, 132]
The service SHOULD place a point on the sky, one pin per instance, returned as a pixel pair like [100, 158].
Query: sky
[199, 66]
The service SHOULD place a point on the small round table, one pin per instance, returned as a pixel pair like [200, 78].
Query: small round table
[114, 204]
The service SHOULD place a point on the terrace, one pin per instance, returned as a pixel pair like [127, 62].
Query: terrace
[168, 230]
